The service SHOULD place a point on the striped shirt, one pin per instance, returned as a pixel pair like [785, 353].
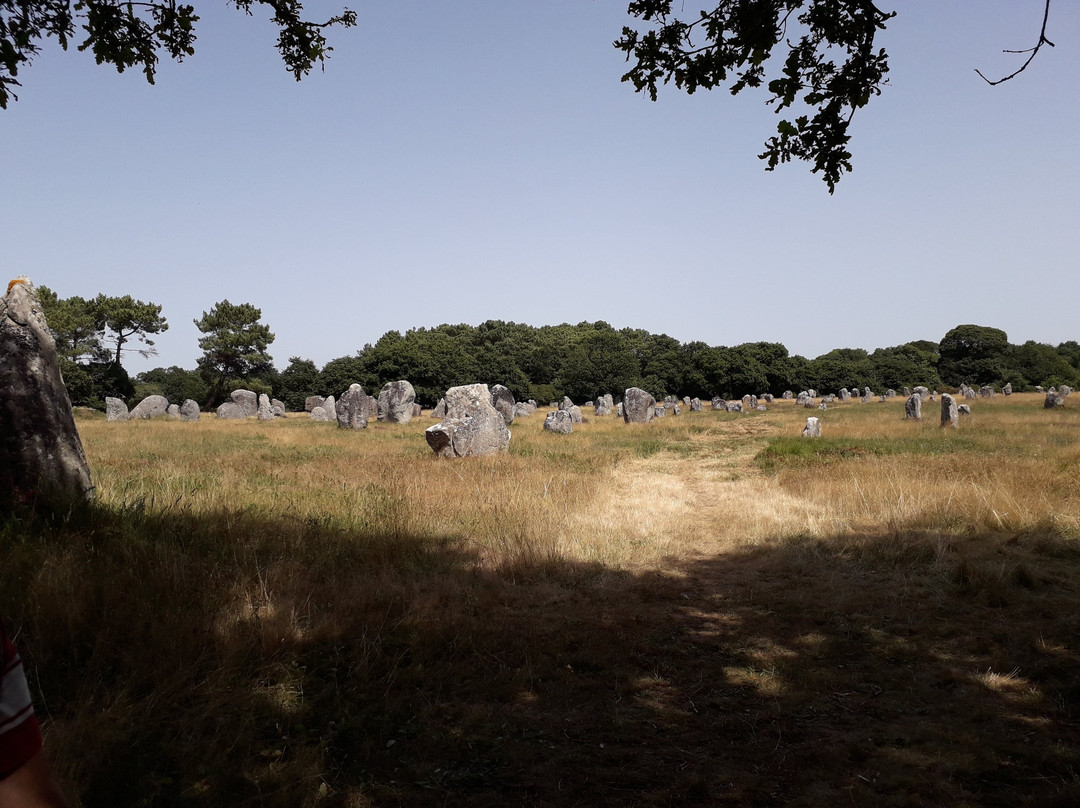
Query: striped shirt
[20, 738]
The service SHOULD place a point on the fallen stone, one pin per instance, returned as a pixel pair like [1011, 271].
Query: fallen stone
[471, 427]
[149, 407]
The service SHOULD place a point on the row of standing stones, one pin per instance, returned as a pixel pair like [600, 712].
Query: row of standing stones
[42, 459]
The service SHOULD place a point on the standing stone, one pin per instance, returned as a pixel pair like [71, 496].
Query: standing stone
[503, 400]
[659, 411]
[350, 408]
[311, 402]
[913, 407]
[950, 415]
[173, 411]
[522, 409]
[890, 393]
[907, 392]
[440, 409]
[747, 403]
[264, 412]
[719, 404]
[330, 408]
[620, 410]
[472, 426]
[559, 421]
[734, 406]
[1065, 391]
[149, 407]
[639, 407]
[963, 409]
[922, 392]
[760, 408]
[1053, 400]
[189, 410]
[396, 402]
[277, 404]
[575, 413]
[1007, 389]
[695, 405]
[417, 410]
[115, 409]
[788, 394]
[246, 400]
[986, 391]
[231, 411]
[317, 414]
[1039, 388]
[769, 398]
[41, 456]
[812, 428]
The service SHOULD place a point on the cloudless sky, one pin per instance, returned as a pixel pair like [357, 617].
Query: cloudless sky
[458, 162]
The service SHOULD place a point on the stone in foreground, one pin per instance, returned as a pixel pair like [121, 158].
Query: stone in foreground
[41, 456]
[472, 427]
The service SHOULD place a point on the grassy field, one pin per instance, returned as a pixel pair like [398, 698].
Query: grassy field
[705, 610]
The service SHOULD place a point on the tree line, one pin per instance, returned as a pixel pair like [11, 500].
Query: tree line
[543, 363]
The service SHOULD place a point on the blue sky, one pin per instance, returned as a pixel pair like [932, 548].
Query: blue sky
[458, 162]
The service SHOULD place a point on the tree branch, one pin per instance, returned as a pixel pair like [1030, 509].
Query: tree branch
[1033, 51]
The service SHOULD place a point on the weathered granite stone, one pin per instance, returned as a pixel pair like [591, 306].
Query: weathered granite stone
[922, 392]
[1039, 388]
[522, 410]
[719, 404]
[963, 409]
[1007, 389]
[264, 412]
[559, 421]
[350, 408]
[812, 428]
[246, 400]
[41, 457]
[769, 398]
[396, 401]
[670, 401]
[575, 413]
[639, 407]
[329, 406]
[824, 405]
[417, 410]
[231, 411]
[1065, 391]
[812, 393]
[320, 414]
[503, 400]
[566, 403]
[747, 403]
[620, 410]
[913, 407]
[907, 392]
[277, 404]
[986, 391]
[471, 427]
[277, 409]
[115, 409]
[950, 415]
[890, 393]
[788, 394]
[189, 410]
[149, 407]
[761, 408]
[1053, 400]
[173, 411]
[734, 406]
[659, 411]
[695, 405]
[311, 402]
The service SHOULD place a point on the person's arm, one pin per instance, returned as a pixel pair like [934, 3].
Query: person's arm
[25, 779]
[31, 786]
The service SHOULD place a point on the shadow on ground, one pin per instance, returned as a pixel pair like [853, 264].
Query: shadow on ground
[190, 661]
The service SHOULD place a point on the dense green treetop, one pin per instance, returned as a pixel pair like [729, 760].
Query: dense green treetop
[127, 318]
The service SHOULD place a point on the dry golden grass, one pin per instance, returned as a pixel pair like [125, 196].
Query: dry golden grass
[703, 610]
